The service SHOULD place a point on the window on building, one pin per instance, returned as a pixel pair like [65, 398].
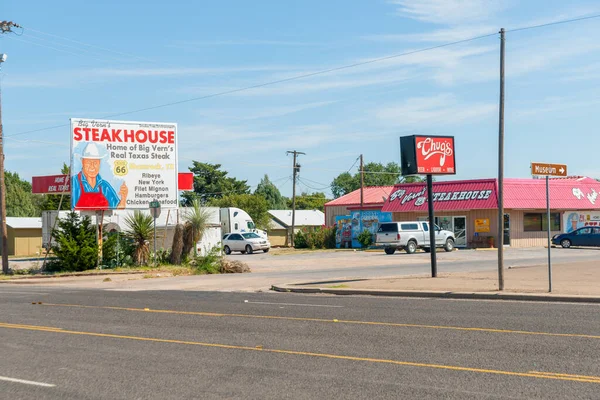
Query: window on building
[538, 222]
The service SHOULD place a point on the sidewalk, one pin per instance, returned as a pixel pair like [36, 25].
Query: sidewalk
[579, 280]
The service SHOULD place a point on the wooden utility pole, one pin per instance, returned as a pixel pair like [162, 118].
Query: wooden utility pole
[362, 188]
[501, 170]
[296, 169]
[4, 249]
[5, 27]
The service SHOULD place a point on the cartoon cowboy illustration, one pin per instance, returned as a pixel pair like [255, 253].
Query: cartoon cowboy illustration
[89, 190]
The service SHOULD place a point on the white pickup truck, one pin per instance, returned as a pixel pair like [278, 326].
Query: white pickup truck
[410, 236]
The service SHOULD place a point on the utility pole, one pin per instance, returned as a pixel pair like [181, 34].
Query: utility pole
[296, 169]
[5, 27]
[362, 188]
[501, 170]
[5, 269]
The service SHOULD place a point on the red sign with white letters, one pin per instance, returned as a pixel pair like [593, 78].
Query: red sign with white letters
[53, 184]
[435, 155]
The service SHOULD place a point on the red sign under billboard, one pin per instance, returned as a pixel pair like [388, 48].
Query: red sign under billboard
[435, 155]
[53, 184]
[185, 181]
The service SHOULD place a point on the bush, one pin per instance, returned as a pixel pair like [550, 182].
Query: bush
[117, 251]
[208, 264]
[365, 239]
[319, 238]
[76, 248]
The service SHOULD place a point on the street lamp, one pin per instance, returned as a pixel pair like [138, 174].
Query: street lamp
[4, 241]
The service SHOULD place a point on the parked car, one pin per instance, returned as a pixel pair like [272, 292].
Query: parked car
[410, 236]
[248, 242]
[587, 236]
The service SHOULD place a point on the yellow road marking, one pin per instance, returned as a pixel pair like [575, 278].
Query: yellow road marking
[596, 378]
[560, 377]
[340, 321]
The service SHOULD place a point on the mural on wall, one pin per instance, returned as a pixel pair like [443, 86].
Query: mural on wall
[579, 219]
[350, 226]
[343, 232]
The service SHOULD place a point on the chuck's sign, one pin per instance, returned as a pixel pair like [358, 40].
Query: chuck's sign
[122, 164]
[427, 155]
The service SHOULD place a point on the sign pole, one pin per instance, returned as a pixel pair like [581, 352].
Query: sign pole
[155, 239]
[549, 237]
[432, 248]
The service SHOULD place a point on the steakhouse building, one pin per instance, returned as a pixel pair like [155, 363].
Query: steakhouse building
[469, 208]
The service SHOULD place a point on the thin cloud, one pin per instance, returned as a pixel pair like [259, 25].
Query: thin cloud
[448, 12]
[426, 111]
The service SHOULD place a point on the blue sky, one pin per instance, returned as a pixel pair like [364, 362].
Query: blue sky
[93, 59]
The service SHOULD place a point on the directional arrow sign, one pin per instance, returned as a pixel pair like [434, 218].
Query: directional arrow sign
[544, 169]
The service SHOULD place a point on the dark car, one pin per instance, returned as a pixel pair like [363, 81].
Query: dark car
[587, 236]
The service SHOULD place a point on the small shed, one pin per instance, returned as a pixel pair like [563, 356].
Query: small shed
[24, 236]
[280, 226]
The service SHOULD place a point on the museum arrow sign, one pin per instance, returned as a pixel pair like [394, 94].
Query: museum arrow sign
[544, 169]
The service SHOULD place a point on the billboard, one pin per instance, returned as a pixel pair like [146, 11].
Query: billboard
[122, 164]
[427, 155]
[52, 184]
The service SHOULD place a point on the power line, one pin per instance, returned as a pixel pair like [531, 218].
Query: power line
[564, 21]
[270, 83]
[91, 45]
[311, 74]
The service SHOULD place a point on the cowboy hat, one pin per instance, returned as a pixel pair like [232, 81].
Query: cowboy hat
[91, 151]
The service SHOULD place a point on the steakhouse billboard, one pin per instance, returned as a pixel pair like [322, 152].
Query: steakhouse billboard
[427, 155]
[122, 164]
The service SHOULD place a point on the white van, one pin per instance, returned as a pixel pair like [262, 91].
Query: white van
[411, 235]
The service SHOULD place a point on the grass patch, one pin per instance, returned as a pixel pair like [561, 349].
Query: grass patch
[342, 286]
[107, 280]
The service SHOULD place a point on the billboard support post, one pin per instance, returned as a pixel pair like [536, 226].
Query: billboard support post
[549, 234]
[432, 232]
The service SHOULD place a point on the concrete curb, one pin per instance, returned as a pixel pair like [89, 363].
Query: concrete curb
[16, 278]
[441, 294]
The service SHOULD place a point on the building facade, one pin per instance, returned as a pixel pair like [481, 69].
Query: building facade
[469, 208]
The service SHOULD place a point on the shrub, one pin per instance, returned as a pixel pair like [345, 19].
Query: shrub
[365, 238]
[208, 264]
[319, 238]
[117, 251]
[76, 248]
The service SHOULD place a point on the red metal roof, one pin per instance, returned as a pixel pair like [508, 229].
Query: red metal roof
[571, 193]
[566, 194]
[372, 196]
[447, 196]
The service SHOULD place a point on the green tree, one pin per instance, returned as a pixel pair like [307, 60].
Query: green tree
[76, 247]
[255, 205]
[140, 228]
[375, 174]
[210, 182]
[344, 183]
[46, 202]
[309, 201]
[19, 200]
[270, 192]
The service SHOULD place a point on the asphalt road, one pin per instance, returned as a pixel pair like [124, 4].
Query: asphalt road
[96, 344]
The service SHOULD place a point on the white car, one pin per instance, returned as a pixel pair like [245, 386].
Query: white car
[248, 242]
[411, 235]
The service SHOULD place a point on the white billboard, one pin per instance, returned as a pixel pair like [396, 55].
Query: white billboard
[573, 220]
[122, 164]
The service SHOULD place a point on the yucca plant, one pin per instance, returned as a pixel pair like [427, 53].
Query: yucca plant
[139, 230]
[196, 220]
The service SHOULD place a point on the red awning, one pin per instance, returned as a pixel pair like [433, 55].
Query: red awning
[519, 194]
[447, 196]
